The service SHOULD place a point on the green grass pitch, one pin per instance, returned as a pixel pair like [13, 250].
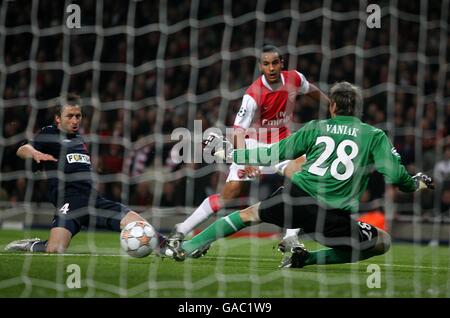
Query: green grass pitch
[238, 267]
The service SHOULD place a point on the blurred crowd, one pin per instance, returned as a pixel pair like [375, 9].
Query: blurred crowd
[171, 78]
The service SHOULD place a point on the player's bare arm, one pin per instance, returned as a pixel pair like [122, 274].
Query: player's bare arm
[28, 151]
[315, 93]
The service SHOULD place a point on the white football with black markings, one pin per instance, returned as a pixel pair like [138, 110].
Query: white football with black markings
[138, 239]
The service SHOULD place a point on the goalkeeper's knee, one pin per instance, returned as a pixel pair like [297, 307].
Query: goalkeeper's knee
[383, 243]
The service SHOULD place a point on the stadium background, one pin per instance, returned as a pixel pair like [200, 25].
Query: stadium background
[144, 68]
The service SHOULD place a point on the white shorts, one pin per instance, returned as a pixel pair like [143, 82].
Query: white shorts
[236, 171]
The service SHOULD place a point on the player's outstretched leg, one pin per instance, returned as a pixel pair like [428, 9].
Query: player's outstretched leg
[223, 227]
[27, 245]
[231, 191]
[209, 206]
[300, 257]
[58, 242]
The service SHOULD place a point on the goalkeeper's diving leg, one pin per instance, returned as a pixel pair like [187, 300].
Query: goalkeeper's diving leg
[236, 187]
[343, 248]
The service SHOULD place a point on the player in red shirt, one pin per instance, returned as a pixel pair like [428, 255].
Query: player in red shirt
[268, 103]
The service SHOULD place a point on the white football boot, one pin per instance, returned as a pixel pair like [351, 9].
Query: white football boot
[24, 245]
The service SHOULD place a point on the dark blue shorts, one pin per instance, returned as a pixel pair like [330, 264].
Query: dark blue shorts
[93, 211]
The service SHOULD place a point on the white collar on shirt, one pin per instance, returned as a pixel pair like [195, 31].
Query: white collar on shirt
[266, 84]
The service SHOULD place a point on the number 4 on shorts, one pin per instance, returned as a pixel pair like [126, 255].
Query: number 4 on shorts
[64, 209]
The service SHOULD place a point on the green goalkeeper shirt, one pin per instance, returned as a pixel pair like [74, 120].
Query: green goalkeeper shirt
[341, 153]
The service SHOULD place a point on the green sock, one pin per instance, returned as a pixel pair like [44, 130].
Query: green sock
[221, 228]
[336, 256]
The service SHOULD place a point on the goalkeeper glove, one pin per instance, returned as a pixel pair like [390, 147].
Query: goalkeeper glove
[423, 181]
[218, 146]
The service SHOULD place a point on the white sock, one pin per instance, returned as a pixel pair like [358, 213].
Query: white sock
[290, 232]
[208, 207]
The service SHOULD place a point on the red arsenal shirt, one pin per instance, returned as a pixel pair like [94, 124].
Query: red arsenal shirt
[269, 110]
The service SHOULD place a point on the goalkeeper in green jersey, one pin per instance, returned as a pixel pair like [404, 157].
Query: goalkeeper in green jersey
[341, 152]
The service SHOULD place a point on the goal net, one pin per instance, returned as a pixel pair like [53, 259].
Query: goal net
[146, 68]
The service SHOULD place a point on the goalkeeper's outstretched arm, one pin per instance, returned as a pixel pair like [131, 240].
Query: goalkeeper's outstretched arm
[387, 162]
[291, 147]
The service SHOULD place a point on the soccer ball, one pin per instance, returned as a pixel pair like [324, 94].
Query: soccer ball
[138, 239]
